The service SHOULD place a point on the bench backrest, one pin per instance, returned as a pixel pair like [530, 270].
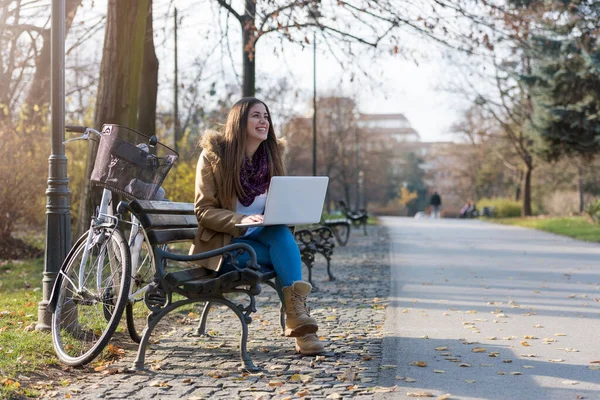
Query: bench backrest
[165, 221]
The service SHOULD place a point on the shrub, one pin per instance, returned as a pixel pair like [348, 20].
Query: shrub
[503, 208]
[593, 210]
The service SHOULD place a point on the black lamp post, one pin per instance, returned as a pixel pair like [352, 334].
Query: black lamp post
[58, 218]
[314, 14]
[314, 104]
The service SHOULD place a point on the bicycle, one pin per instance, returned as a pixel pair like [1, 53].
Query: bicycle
[104, 275]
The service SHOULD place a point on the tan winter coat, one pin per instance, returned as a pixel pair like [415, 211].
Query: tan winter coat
[216, 216]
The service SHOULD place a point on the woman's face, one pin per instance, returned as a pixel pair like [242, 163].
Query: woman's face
[257, 128]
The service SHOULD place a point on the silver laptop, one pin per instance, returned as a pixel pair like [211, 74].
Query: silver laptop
[294, 200]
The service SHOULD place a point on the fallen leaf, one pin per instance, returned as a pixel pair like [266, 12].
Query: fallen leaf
[470, 380]
[556, 360]
[559, 334]
[528, 366]
[571, 350]
[538, 326]
[380, 389]
[439, 371]
[276, 383]
[418, 364]
[419, 394]
[506, 361]
[526, 344]
[478, 350]
[516, 373]
[464, 365]
[501, 373]
[529, 355]
[494, 354]
[443, 348]
[529, 337]
[334, 396]
[410, 380]
[492, 338]
[444, 397]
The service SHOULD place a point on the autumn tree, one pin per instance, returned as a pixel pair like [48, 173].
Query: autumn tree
[119, 86]
[346, 28]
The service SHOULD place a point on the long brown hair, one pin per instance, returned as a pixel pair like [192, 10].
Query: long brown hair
[235, 133]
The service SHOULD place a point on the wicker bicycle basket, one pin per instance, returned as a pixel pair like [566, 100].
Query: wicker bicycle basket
[127, 164]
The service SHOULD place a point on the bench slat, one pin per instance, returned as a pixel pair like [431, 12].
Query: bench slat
[161, 207]
[168, 221]
[164, 236]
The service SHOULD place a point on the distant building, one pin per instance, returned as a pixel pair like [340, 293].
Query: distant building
[392, 126]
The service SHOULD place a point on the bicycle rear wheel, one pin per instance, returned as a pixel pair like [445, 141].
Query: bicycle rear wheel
[85, 319]
[142, 275]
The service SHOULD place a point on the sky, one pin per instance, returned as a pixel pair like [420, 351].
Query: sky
[398, 85]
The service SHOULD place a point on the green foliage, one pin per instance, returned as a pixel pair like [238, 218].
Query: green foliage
[24, 150]
[593, 210]
[179, 184]
[22, 350]
[503, 207]
[565, 83]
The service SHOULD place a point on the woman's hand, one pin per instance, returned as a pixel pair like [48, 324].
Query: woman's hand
[252, 218]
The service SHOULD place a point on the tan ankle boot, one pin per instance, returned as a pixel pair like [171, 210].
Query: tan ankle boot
[309, 345]
[298, 321]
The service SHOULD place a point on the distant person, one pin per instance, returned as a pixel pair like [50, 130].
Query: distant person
[436, 203]
[464, 210]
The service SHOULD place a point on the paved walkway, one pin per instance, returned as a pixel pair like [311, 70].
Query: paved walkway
[351, 311]
[479, 310]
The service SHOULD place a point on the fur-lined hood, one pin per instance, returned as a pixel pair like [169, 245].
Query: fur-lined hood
[213, 142]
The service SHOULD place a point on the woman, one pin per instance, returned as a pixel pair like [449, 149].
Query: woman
[232, 180]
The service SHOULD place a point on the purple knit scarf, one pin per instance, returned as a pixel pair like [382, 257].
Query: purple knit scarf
[254, 175]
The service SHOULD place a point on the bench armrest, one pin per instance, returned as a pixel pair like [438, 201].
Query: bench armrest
[233, 250]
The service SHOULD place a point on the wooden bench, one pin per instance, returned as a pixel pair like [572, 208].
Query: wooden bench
[340, 228]
[167, 222]
[312, 241]
[357, 218]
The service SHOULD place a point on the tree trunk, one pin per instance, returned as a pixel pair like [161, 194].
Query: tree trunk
[580, 187]
[119, 85]
[39, 92]
[249, 49]
[149, 81]
[526, 211]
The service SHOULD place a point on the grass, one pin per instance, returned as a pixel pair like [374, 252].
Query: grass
[576, 227]
[22, 349]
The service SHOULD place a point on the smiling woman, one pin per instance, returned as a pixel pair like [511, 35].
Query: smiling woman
[232, 180]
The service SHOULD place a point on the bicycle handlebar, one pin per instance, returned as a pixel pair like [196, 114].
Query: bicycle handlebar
[75, 128]
[80, 129]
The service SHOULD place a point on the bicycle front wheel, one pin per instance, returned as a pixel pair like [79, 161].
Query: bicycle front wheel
[92, 297]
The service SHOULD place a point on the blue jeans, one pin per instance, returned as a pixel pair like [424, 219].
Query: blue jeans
[275, 245]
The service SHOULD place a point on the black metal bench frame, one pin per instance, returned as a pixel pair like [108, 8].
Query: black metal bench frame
[312, 241]
[357, 218]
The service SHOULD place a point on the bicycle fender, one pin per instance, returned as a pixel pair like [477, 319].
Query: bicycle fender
[59, 277]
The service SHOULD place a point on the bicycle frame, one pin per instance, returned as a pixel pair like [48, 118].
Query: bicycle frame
[105, 213]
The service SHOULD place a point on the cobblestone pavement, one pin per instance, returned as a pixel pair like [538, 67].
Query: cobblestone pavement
[351, 311]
